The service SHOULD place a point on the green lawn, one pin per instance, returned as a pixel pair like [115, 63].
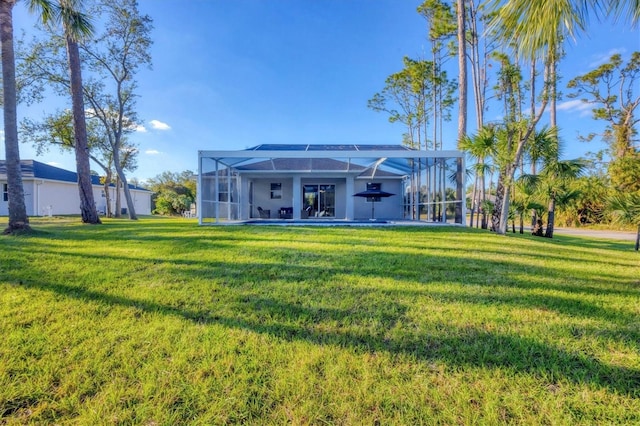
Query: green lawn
[162, 322]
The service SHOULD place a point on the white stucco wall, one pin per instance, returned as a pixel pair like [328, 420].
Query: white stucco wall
[44, 197]
[386, 208]
[262, 195]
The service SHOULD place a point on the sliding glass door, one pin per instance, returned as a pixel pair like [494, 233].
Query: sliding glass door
[319, 200]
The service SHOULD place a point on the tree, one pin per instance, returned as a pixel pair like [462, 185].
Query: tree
[625, 208]
[525, 199]
[115, 57]
[462, 70]
[480, 147]
[408, 99]
[18, 219]
[557, 177]
[57, 130]
[111, 58]
[173, 192]
[513, 135]
[610, 89]
[405, 99]
[75, 26]
[537, 24]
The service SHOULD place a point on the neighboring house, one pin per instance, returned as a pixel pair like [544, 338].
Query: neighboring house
[49, 190]
[330, 182]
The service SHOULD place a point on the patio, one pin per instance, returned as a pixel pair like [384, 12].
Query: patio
[331, 183]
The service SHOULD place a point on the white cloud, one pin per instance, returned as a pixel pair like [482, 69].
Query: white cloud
[576, 105]
[140, 129]
[152, 152]
[604, 58]
[159, 125]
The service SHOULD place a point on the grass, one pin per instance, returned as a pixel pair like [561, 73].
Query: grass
[164, 322]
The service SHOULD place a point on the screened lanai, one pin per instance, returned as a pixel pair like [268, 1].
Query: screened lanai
[298, 182]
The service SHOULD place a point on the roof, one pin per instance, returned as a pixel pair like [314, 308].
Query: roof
[324, 164]
[312, 164]
[327, 147]
[393, 159]
[36, 170]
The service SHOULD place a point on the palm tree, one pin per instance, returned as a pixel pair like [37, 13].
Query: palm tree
[625, 208]
[553, 185]
[525, 199]
[480, 147]
[75, 25]
[557, 176]
[18, 219]
[539, 24]
[544, 146]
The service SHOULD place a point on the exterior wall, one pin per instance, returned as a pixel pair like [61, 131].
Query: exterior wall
[44, 197]
[262, 195]
[58, 197]
[386, 208]
[141, 200]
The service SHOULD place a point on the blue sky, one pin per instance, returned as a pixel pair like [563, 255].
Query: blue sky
[231, 74]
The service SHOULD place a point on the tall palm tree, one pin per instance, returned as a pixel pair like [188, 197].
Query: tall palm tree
[18, 219]
[75, 25]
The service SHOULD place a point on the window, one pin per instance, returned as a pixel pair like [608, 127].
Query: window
[276, 191]
[5, 192]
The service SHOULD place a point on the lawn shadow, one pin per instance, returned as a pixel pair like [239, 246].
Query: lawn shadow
[365, 325]
[454, 346]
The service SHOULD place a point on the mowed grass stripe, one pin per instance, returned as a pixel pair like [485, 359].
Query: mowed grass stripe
[163, 322]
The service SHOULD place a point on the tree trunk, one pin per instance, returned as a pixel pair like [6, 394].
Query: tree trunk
[497, 206]
[118, 208]
[474, 199]
[504, 215]
[551, 217]
[107, 197]
[18, 219]
[553, 122]
[85, 187]
[638, 239]
[131, 211]
[522, 222]
[462, 103]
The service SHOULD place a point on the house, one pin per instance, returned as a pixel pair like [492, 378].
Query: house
[49, 190]
[330, 182]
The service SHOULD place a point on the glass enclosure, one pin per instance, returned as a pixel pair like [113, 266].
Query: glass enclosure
[318, 183]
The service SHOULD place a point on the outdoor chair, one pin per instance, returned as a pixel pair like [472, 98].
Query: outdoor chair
[264, 214]
[286, 213]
